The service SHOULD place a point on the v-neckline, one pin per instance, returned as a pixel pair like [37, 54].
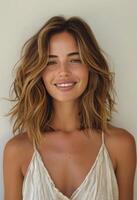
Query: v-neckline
[82, 183]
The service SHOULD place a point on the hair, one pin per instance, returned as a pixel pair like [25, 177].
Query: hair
[33, 105]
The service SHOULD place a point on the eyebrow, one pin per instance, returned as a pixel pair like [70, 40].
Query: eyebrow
[69, 54]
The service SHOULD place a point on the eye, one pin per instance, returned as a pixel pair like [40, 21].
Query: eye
[51, 63]
[76, 61]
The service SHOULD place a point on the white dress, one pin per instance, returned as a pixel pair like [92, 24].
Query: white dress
[99, 184]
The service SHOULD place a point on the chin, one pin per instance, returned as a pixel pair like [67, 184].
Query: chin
[66, 98]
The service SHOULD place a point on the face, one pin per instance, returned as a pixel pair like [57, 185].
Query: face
[65, 76]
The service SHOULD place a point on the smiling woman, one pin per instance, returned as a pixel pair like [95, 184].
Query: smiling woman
[64, 97]
[65, 76]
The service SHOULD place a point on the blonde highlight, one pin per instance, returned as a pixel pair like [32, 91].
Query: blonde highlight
[33, 110]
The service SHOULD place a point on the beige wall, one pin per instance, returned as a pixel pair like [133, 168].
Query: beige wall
[115, 26]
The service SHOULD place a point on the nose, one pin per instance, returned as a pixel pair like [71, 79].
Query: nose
[64, 70]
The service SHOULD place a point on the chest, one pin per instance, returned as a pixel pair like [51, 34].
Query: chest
[69, 165]
[69, 169]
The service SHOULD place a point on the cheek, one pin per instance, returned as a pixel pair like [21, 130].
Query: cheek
[83, 74]
[84, 78]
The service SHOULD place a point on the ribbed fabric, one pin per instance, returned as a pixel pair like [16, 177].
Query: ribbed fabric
[99, 184]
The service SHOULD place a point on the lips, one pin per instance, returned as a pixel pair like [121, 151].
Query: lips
[65, 88]
[65, 82]
[65, 85]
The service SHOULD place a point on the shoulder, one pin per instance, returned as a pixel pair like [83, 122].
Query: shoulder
[16, 146]
[120, 142]
[15, 152]
[120, 137]
[18, 142]
[124, 148]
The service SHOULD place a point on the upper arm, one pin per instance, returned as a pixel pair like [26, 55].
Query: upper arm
[12, 175]
[126, 165]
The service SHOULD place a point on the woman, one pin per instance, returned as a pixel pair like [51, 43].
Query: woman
[66, 148]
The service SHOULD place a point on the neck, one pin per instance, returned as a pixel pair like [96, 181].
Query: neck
[66, 116]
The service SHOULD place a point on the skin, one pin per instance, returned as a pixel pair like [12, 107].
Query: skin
[67, 148]
[65, 67]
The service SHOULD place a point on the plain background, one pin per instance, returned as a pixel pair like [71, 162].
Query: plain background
[115, 27]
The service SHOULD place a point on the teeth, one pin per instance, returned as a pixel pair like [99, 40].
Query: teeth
[65, 84]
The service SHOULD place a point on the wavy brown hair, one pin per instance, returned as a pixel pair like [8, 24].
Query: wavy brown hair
[33, 111]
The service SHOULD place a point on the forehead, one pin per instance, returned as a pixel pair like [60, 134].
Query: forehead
[62, 42]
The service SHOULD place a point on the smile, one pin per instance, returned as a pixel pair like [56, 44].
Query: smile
[65, 86]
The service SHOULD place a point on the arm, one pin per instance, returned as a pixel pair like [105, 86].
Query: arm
[126, 165]
[12, 175]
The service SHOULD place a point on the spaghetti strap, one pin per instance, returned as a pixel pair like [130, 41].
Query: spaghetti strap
[103, 139]
[34, 145]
